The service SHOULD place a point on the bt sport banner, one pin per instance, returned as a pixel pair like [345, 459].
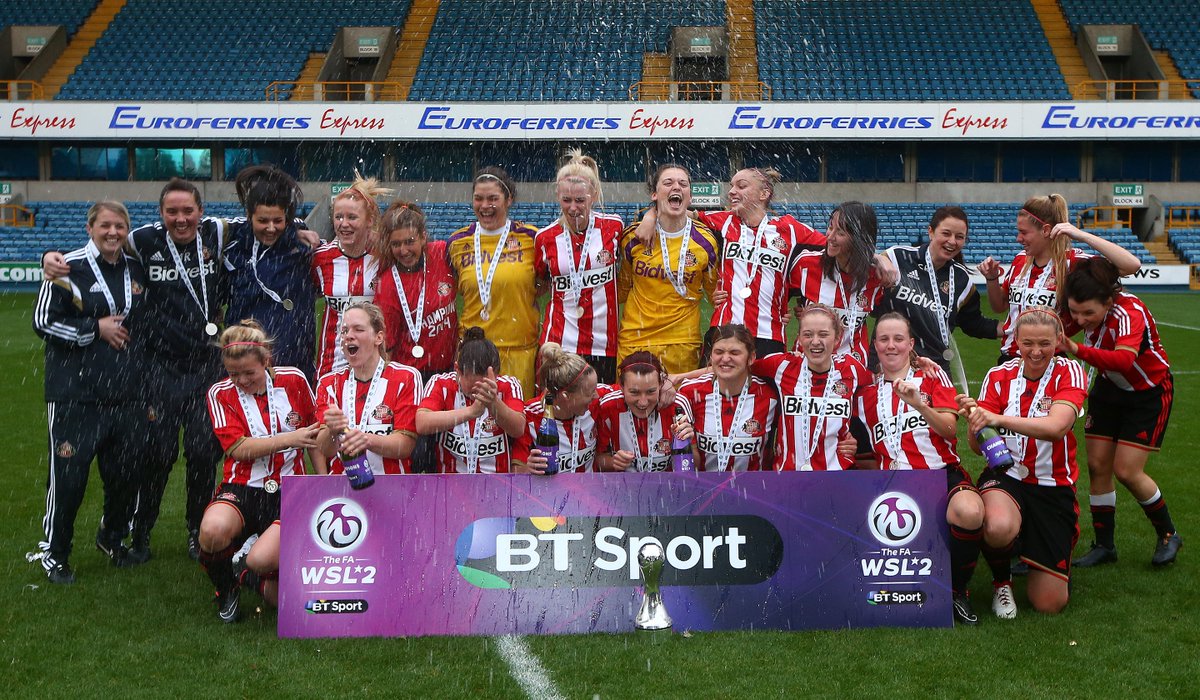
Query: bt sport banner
[793, 121]
[501, 554]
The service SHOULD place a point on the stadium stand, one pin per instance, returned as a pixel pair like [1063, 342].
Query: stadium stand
[1185, 238]
[553, 50]
[225, 50]
[1167, 26]
[69, 13]
[905, 50]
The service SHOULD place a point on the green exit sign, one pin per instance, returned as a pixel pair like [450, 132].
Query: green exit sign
[337, 188]
[5, 188]
[706, 189]
[1128, 190]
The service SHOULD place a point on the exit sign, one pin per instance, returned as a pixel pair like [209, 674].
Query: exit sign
[1129, 195]
[706, 194]
[1107, 44]
[337, 188]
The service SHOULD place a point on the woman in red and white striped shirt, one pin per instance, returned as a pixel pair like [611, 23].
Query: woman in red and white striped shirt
[263, 417]
[816, 392]
[912, 417]
[578, 254]
[635, 427]
[1033, 402]
[1128, 408]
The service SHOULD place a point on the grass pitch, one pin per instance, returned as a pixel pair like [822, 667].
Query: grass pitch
[1130, 631]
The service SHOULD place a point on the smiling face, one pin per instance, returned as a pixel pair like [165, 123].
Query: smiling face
[407, 246]
[837, 239]
[1036, 344]
[893, 344]
[575, 401]
[1090, 313]
[351, 225]
[361, 343]
[1032, 235]
[490, 202]
[731, 360]
[819, 339]
[748, 196]
[181, 215]
[247, 373]
[575, 200]
[108, 231]
[641, 392]
[673, 192]
[947, 240]
[268, 223]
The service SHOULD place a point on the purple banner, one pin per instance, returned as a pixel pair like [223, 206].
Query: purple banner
[501, 554]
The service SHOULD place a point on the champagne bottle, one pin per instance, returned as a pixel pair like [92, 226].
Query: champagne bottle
[547, 438]
[681, 450]
[994, 449]
[357, 468]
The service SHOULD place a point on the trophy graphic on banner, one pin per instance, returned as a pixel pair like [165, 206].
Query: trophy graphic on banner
[652, 615]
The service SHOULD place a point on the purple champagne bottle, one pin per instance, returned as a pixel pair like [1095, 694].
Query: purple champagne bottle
[547, 438]
[358, 470]
[994, 449]
[681, 450]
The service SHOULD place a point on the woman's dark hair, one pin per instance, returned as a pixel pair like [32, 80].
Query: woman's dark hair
[268, 186]
[860, 222]
[178, 184]
[950, 211]
[400, 215]
[652, 183]
[1092, 278]
[477, 353]
[640, 362]
[735, 331]
[500, 176]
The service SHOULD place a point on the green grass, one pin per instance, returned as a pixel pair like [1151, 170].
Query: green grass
[1130, 631]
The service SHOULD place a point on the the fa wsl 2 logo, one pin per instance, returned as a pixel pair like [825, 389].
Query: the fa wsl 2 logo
[894, 519]
[339, 526]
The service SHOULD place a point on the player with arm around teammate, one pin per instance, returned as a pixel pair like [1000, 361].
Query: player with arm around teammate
[1033, 401]
[264, 418]
[1128, 407]
[911, 415]
[638, 421]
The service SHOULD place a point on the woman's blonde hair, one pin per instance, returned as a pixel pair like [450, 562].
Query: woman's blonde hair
[581, 169]
[367, 191]
[1049, 210]
[560, 370]
[246, 338]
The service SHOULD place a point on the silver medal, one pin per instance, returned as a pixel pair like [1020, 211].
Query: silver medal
[270, 486]
[948, 354]
[580, 312]
[418, 351]
[210, 329]
[744, 292]
[485, 315]
[288, 305]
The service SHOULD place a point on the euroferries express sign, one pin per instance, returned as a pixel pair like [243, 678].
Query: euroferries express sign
[601, 120]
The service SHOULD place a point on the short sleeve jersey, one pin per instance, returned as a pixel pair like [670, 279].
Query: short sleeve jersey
[729, 439]
[1129, 324]
[656, 313]
[1026, 284]
[647, 439]
[582, 269]
[808, 278]
[900, 436]
[430, 295]
[391, 407]
[512, 313]
[341, 280]
[480, 445]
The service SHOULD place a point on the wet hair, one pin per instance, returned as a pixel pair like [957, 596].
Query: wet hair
[652, 183]
[109, 205]
[560, 370]
[268, 186]
[477, 353]
[735, 331]
[769, 177]
[1048, 211]
[375, 318]
[1038, 316]
[640, 362]
[581, 169]
[824, 310]
[1092, 279]
[367, 191]
[860, 222]
[246, 338]
[500, 176]
[400, 215]
[178, 184]
[897, 316]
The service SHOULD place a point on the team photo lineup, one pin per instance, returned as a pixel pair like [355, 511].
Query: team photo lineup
[582, 346]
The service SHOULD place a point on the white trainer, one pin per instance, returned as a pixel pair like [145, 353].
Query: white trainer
[1003, 603]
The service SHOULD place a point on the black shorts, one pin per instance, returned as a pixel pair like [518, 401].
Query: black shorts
[257, 507]
[957, 479]
[1049, 521]
[606, 367]
[1134, 417]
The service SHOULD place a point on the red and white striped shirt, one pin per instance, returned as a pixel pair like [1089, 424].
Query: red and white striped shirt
[808, 276]
[1037, 286]
[647, 439]
[826, 408]
[391, 407]
[556, 253]
[1129, 324]
[729, 439]
[920, 447]
[577, 437]
[342, 281]
[1041, 462]
[758, 260]
[479, 445]
[288, 407]
[438, 319]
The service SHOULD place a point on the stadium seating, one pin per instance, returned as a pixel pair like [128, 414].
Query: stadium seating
[69, 13]
[1168, 26]
[226, 50]
[549, 49]
[905, 50]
